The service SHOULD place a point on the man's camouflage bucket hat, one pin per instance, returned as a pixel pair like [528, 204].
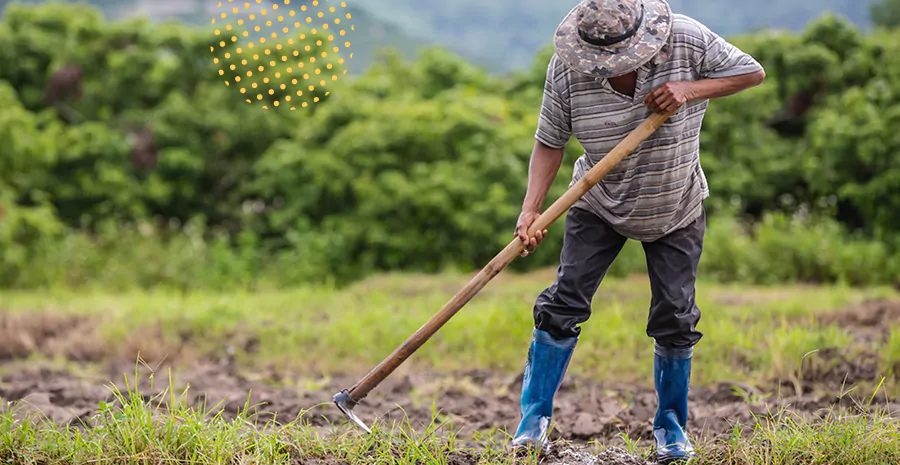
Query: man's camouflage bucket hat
[608, 38]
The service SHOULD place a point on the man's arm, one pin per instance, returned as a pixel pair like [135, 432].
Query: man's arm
[542, 170]
[672, 95]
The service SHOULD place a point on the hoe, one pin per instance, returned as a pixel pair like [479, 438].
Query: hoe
[347, 399]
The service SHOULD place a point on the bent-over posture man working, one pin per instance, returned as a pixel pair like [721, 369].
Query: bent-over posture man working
[615, 62]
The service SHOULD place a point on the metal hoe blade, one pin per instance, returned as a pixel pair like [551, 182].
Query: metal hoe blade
[346, 403]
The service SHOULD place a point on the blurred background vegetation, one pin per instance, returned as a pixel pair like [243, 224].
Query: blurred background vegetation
[126, 163]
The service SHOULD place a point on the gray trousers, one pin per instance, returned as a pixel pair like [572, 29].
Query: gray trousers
[589, 248]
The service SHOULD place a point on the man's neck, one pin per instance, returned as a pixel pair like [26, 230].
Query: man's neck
[624, 84]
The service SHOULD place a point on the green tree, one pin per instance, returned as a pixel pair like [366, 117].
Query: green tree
[886, 13]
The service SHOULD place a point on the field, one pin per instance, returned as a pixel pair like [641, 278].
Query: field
[793, 374]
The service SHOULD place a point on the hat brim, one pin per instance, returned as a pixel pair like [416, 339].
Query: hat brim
[623, 58]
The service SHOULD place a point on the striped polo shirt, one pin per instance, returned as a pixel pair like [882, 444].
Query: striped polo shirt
[660, 187]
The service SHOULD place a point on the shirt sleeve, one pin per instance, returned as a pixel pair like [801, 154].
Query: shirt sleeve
[555, 122]
[720, 59]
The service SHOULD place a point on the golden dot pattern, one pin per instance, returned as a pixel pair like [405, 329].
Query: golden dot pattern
[287, 57]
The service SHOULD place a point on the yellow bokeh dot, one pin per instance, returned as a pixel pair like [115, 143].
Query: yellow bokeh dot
[316, 99]
[287, 98]
[314, 31]
[272, 63]
[324, 54]
[275, 6]
[260, 68]
[256, 56]
[278, 46]
[246, 5]
[221, 72]
[214, 20]
[227, 55]
[246, 34]
[258, 1]
[296, 53]
[348, 15]
[221, 43]
[263, 12]
[330, 37]
[322, 82]
[299, 93]
[266, 80]
[234, 10]
[334, 78]
[300, 64]
[280, 18]
[252, 17]
[307, 48]
[286, 30]
[337, 20]
[319, 42]
[341, 61]
[212, 49]
[256, 28]
[315, 2]
[331, 9]
[253, 85]
[237, 79]
[274, 35]
[277, 75]
[343, 32]
[306, 76]
[228, 27]
[249, 73]
[218, 32]
[345, 71]
[351, 55]
[287, 2]
[233, 38]
[329, 66]
[262, 40]
[239, 50]
[312, 88]
[283, 87]
[244, 62]
[215, 60]
[303, 8]
[240, 22]
[294, 82]
[249, 101]
[297, 25]
[290, 70]
[347, 44]
[249, 44]
[243, 90]
[305, 104]
[308, 19]
[321, 14]
[258, 96]
[271, 91]
[265, 107]
[220, 5]
[327, 93]
[343, 4]
[312, 59]
[268, 23]
[268, 51]
[302, 36]
[352, 28]
[325, 26]
[276, 103]
[318, 71]
[293, 13]
[233, 67]
[224, 15]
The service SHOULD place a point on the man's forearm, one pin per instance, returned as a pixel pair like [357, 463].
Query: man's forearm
[723, 87]
[542, 170]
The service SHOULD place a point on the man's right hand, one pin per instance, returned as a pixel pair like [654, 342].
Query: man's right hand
[526, 218]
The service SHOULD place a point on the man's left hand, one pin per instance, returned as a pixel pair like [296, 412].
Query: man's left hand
[669, 96]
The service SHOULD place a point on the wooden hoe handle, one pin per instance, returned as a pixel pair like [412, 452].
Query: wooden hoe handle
[592, 177]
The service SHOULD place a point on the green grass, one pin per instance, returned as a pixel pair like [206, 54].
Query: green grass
[752, 334]
[164, 429]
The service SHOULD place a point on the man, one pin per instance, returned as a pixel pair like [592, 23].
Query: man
[615, 62]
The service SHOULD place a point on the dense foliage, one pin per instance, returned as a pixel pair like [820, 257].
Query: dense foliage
[127, 162]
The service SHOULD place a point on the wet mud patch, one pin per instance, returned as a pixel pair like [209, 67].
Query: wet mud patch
[73, 337]
[875, 314]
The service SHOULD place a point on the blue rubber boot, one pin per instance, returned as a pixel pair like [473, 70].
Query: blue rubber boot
[672, 376]
[547, 361]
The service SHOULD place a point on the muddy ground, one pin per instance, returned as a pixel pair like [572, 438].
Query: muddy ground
[470, 401]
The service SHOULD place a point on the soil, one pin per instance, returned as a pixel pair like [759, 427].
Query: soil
[586, 411]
